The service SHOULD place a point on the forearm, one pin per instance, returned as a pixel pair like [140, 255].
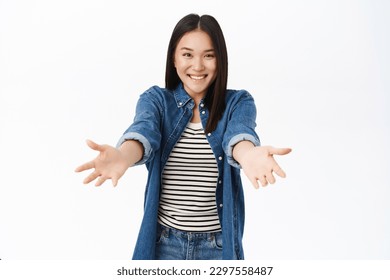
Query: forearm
[241, 148]
[132, 151]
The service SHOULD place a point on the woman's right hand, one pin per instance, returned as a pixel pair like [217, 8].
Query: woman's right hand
[111, 163]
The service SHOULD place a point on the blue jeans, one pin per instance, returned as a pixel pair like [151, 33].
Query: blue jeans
[173, 244]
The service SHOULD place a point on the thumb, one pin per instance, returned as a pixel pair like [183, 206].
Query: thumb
[279, 151]
[94, 146]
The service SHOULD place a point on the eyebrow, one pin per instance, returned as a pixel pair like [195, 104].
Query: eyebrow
[189, 49]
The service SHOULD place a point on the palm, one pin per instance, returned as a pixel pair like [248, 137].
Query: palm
[109, 164]
[259, 164]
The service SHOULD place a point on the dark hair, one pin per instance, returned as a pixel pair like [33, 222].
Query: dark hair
[215, 97]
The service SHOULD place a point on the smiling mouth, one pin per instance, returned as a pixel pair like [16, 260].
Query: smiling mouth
[197, 77]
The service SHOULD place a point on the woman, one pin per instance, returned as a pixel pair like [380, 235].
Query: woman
[194, 136]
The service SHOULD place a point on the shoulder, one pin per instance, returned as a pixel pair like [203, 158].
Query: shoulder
[157, 94]
[240, 103]
[157, 91]
[233, 96]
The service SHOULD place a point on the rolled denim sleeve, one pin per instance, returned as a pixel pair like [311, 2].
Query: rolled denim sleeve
[241, 125]
[146, 125]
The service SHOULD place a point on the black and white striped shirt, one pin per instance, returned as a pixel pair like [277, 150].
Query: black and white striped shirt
[189, 182]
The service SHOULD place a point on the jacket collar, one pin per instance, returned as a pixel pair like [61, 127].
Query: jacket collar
[181, 96]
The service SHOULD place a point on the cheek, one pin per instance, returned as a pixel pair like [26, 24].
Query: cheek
[179, 68]
[176, 59]
[178, 64]
[212, 66]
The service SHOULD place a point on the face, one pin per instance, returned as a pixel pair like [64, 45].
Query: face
[195, 63]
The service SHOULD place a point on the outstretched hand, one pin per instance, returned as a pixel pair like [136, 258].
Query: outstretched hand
[109, 164]
[258, 164]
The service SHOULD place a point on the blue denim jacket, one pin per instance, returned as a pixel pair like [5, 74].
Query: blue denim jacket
[161, 116]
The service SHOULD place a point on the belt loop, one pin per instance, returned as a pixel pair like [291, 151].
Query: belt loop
[166, 232]
[211, 236]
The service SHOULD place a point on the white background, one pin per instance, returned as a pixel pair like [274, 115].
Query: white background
[73, 70]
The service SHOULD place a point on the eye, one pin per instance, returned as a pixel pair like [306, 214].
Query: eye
[209, 55]
[187, 55]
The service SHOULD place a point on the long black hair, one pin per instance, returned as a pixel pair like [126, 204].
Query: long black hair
[215, 97]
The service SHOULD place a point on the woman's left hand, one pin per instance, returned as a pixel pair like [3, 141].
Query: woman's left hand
[258, 163]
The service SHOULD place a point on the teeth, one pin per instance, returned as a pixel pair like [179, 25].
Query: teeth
[197, 77]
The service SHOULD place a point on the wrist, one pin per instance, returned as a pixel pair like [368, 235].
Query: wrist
[241, 149]
[131, 151]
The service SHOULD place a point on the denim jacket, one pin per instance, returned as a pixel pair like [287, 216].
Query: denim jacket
[161, 116]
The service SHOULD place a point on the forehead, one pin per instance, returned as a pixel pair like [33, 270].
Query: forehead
[196, 40]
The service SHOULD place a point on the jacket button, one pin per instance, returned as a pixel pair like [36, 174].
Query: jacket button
[209, 134]
[220, 158]
[221, 205]
[203, 112]
[202, 105]
[220, 181]
[180, 103]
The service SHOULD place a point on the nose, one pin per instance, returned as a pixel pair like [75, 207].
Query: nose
[198, 64]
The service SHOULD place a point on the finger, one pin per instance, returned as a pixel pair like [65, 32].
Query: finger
[270, 178]
[114, 181]
[91, 177]
[263, 181]
[279, 171]
[85, 166]
[94, 146]
[100, 181]
[279, 151]
[254, 182]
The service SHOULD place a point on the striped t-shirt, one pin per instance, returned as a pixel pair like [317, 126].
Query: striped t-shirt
[189, 182]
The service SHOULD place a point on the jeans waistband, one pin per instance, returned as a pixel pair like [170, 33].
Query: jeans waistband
[187, 234]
